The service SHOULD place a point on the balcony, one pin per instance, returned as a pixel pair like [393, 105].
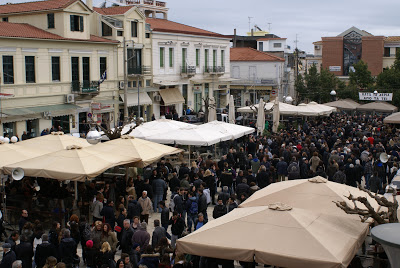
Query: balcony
[85, 87]
[160, 4]
[188, 70]
[139, 70]
[145, 2]
[214, 69]
[256, 82]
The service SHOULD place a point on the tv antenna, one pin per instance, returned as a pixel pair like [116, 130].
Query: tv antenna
[250, 23]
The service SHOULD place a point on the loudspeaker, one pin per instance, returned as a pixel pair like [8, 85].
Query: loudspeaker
[17, 174]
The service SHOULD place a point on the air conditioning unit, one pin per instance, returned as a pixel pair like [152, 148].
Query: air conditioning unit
[317, 47]
[157, 98]
[70, 98]
[121, 84]
[46, 114]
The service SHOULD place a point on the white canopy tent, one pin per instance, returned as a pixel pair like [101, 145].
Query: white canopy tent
[284, 108]
[158, 127]
[232, 131]
[311, 109]
[315, 109]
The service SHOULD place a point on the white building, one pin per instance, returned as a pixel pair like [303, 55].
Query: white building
[271, 44]
[257, 75]
[189, 64]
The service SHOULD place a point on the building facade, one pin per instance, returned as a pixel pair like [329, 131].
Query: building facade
[189, 64]
[256, 75]
[54, 68]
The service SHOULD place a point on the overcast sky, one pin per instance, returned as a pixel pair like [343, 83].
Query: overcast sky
[308, 19]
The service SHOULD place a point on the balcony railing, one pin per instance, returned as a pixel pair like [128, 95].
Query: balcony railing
[145, 2]
[214, 69]
[85, 87]
[256, 81]
[160, 4]
[188, 70]
[139, 70]
[148, 2]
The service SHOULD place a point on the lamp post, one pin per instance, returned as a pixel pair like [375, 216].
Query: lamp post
[289, 100]
[333, 95]
[388, 235]
[93, 136]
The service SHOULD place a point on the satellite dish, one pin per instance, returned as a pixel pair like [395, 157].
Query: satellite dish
[17, 174]
[384, 157]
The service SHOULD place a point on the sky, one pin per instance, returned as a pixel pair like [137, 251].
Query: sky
[309, 20]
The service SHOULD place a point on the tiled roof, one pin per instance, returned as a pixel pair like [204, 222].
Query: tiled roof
[317, 43]
[272, 38]
[112, 10]
[35, 6]
[162, 25]
[392, 39]
[251, 54]
[23, 30]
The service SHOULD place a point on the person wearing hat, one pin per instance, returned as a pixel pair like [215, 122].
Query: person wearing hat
[8, 256]
[91, 254]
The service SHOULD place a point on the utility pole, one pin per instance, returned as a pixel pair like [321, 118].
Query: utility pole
[126, 117]
[297, 67]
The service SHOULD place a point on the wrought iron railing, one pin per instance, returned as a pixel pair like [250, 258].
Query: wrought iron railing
[139, 70]
[214, 69]
[189, 70]
[85, 87]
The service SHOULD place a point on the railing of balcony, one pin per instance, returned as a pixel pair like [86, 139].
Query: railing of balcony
[214, 69]
[85, 87]
[140, 70]
[160, 4]
[148, 2]
[188, 69]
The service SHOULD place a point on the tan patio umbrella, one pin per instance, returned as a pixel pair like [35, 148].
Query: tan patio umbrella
[127, 146]
[53, 142]
[279, 236]
[316, 194]
[212, 111]
[260, 118]
[275, 116]
[74, 163]
[11, 153]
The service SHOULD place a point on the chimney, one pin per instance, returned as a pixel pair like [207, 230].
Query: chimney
[89, 3]
[234, 37]
[252, 32]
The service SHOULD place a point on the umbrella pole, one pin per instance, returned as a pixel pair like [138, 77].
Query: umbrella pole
[76, 190]
[189, 156]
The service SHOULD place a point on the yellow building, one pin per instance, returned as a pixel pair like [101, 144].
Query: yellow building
[52, 64]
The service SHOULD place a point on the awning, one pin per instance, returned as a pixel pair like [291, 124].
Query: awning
[215, 80]
[168, 83]
[171, 96]
[144, 98]
[109, 101]
[54, 110]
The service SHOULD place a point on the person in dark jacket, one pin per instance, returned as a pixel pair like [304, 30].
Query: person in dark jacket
[219, 209]
[108, 213]
[67, 249]
[12, 239]
[141, 236]
[8, 256]
[159, 186]
[149, 258]
[242, 187]
[262, 177]
[24, 252]
[178, 201]
[202, 204]
[158, 233]
[126, 238]
[24, 219]
[120, 222]
[231, 203]
[147, 187]
[44, 250]
[134, 208]
[91, 255]
[174, 182]
[53, 233]
[177, 227]
[164, 217]
[281, 169]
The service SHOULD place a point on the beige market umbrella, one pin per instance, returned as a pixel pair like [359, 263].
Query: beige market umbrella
[275, 116]
[127, 146]
[73, 163]
[231, 112]
[392, 119]
[11, 153]
[260, 117]
[289, 238]
[212, 112]
[53, 142]
[316, 194]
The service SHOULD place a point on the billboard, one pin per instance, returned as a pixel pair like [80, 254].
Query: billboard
[375, 96]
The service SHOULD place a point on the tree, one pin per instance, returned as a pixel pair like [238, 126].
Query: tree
[116, 132]
[327, 82]
[347, 92]
[361, 77]
[312, 79]
[389, 81]
[300, 88]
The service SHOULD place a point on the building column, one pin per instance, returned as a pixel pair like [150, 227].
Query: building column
[20, 127]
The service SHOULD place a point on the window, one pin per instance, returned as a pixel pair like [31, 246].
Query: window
[184, 55]
[148, 82]
[75, 69]
[129, 84]
[171, 57]
[161, 57]
[134, 28]
[222, 58]
[5, 19]
[206, 58]
[197, 57]
[50, 20]
[30, 69]
[8, 69]
[386, 52]
[86, 69]
[206, 89]
[261, 46]
[103, 66]
[105, 30]
[147, 35]
[134, 61]
[55, 68]
[277, 44]
[76, 23]
[214, 58]
[120, 33]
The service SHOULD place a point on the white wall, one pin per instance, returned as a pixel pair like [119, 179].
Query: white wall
[268, 45]
[264, 69]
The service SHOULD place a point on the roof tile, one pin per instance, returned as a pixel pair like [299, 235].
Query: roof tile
[392, 39]
[35, 6]
[118, 10]
[251, 54]
[162, 25]
[23, 30]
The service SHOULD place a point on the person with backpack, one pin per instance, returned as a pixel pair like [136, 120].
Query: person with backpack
[192, 208]
[293, 170]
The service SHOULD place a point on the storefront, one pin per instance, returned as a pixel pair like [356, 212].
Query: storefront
[171, 97]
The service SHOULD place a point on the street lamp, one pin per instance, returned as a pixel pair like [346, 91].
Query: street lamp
[14, 139]
[376, 92]
[93, 136]
[288, 99]
[333, 94]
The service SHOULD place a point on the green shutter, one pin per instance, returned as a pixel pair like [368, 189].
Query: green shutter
[72, 22]
[206, 58]
[214, 58]
[161, 57]
[184, 57]
[222, 58]
[197, 57]
[81, 23]
[171, 57]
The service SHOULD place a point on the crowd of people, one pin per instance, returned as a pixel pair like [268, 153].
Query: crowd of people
[342, 148]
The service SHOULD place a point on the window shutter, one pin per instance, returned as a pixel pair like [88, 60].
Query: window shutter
[81, 23]
[71, 18]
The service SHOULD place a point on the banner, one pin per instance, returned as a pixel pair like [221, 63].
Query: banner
[375, 96]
